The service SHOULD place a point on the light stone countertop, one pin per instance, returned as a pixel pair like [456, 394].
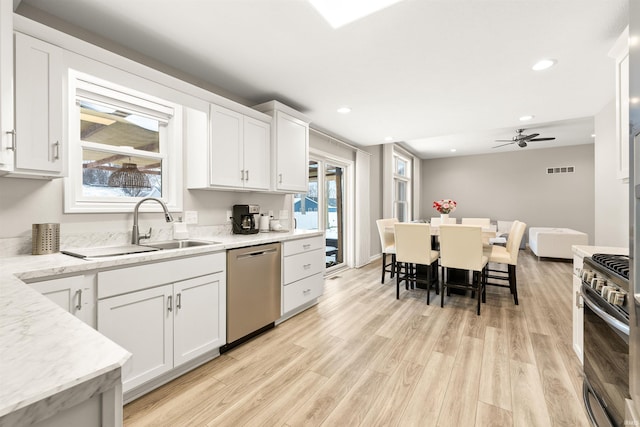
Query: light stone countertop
[46, 350]
[587, 251]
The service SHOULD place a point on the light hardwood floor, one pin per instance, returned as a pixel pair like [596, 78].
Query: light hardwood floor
[361, 357]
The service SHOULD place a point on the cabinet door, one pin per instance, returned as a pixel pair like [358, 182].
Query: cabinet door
[199, 321]
[226, 166]
[292, 153]
[257, 141]
[73, 294]
[578, 318]
[39, 81]
[6, 85]
[142, 323]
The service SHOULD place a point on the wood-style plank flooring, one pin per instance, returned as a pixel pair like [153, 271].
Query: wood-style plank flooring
[362, 358]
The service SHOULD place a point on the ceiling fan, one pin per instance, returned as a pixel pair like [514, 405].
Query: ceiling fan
[522, 139]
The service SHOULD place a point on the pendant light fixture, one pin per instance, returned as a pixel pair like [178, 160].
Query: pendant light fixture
[129, 176]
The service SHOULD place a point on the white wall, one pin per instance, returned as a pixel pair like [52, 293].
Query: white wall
[611, 194]
[375, 202]
[515, 185]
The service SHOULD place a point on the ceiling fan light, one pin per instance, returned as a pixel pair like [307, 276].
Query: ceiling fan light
[543, 64]
[344, 110]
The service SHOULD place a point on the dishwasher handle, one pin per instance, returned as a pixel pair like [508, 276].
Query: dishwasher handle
[257, 253]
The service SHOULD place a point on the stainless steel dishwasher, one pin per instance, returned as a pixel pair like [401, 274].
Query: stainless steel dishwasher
[253, 291]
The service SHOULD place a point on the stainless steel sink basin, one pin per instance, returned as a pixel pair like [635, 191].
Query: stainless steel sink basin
[179, 244]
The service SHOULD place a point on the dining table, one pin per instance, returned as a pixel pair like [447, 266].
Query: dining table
[455, 275]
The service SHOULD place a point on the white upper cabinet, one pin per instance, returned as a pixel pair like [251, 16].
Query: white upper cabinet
[235, 156]
[39, 143]
[290, 147]
[620, 52]
[6, 85]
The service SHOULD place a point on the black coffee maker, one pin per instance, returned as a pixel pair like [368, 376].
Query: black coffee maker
[244, 221]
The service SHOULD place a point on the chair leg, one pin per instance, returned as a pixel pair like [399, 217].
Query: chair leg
[428, 283]
[477, 280]
[397, 267]
[513, 282]
[393, 263]
[442, 290]
[384, 266]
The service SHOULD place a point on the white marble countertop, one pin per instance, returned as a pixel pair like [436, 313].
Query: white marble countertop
[44, 349]
[587, 251]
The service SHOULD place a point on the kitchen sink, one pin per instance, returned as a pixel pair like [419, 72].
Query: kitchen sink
[179, 244]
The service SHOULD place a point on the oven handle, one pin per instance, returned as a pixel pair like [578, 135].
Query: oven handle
[609, 319]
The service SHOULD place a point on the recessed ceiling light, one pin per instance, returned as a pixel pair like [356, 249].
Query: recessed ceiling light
[593, 135]
[344, 110]
[342, 12]
[388, 138]
[634, 100]
[453, 150]
[543, 64]
[526, 118]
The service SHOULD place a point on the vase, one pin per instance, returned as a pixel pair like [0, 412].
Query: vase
[444, 218]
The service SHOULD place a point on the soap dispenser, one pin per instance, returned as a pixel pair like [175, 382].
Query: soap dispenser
[180, 231]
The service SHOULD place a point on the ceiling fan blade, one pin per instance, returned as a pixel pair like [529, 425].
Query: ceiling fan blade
[504, 140]
[502, 145]
[529, 137]
[542, 139]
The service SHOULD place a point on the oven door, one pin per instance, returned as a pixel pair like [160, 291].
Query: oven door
[606, 357]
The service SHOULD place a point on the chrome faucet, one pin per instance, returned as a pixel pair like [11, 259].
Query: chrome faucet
[135, 235]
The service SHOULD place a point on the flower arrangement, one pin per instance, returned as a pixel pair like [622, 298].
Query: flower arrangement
[445, 206]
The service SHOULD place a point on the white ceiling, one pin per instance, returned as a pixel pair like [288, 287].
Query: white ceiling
[434, 74]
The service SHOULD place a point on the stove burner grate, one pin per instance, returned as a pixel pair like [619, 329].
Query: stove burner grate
[619, 264]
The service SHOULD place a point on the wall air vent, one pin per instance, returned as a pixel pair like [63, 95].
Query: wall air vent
[563, 169]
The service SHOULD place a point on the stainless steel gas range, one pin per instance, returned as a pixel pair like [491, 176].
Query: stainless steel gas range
[605, 292]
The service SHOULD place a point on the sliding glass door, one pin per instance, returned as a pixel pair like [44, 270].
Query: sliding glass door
[323, 207]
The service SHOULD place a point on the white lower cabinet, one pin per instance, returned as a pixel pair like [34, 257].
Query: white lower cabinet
[170, 321]
[303, 265]
[74, 294]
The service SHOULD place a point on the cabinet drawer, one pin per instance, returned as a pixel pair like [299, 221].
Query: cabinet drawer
[302, 245]
[303, 265]
[302, 291]
[130, 279]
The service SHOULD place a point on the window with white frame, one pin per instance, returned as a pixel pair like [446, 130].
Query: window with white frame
[401, 186]
[124, 145]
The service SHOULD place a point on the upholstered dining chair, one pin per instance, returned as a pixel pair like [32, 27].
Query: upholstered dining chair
[482, 222]
[507, 255]
[436, 221]
[387, 241]
[413, 248]
[461, 248]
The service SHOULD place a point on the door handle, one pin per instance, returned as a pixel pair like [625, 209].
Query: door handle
[170, 303]
[179, 301]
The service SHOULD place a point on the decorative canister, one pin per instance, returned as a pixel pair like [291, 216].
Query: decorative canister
[45, 238]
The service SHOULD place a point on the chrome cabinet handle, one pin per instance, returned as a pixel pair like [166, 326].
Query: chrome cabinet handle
[306, 266]
[280, 178]
[307, 246]
[179, 301]
[306, 291]
[242, 175]
[56, 145]
[578, 303]
[170, 303]
[246, 175]
[79, 298]
[14, 139]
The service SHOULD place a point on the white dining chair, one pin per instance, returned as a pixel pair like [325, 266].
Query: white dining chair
[436, 221]
[507, 255]
[482, 222]
[461, 248]
[387, 241]
[413, 248]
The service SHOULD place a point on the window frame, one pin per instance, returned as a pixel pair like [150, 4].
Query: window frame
[83, 86]
[407, 179]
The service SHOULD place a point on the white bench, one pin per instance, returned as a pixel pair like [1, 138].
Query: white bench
[555, 242]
